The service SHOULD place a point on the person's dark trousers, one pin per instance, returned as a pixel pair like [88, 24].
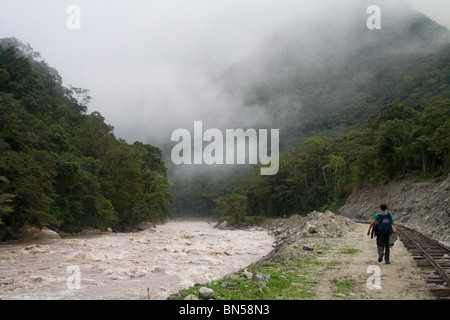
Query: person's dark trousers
[383, 247]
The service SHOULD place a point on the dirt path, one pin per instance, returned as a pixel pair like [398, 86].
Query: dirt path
[353, 254]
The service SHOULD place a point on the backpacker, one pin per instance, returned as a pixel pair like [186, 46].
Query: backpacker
[384, 223]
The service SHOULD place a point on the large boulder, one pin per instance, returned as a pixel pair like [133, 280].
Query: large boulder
[34, 233]
[48, 234]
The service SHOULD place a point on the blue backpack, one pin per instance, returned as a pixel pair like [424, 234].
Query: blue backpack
[384, 225]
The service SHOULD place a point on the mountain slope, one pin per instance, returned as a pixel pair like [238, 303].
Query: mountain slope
[61, 167]
[330, 73]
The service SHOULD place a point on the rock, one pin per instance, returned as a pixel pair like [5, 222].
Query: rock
[248, 275]
[145, 226]
[48, 234]
[205, 293]
[260, 278]
[35, 233]
[109, 229]
[311, 228]
[223, 225]
[308, 247]
[191, 297]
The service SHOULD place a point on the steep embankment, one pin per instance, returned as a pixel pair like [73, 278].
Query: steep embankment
[424, 206]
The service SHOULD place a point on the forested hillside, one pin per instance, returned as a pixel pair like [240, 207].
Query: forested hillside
[352, 105]
[62, 167]
[328, 76]
[322, 172]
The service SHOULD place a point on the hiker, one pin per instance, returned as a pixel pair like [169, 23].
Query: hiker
[382, 225]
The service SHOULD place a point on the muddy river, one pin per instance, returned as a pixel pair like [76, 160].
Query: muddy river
[148, 264]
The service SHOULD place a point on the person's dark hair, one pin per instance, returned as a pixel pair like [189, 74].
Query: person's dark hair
[383, 207]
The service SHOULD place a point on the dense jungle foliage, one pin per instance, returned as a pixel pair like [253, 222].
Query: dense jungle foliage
[64, 168]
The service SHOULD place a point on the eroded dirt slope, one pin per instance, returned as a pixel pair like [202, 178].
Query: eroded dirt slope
[424, 206]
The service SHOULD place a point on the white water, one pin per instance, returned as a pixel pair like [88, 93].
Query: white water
[152, 263]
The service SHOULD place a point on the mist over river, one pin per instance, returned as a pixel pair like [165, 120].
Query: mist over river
[153, 263]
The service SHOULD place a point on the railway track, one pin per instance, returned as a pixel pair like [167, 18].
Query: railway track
[432, 256]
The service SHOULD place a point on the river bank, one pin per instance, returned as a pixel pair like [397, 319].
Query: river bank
[322, 256]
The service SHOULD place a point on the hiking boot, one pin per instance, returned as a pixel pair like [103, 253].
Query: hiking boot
[380, 258]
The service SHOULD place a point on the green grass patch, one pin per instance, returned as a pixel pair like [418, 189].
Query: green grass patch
[350, 251]
[287, 280]
[324, 250]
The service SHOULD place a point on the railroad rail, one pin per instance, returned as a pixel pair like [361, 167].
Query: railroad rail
[432, 257]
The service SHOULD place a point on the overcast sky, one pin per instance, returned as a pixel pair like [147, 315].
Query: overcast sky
[149, 63]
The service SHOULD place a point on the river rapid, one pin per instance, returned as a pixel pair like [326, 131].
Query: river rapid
[150, 264]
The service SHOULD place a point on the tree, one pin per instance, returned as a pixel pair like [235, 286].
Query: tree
[336, 165]
[81, 96]
[232, 208]
[6, 199]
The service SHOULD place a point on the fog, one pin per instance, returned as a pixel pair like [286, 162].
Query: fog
[152, 65]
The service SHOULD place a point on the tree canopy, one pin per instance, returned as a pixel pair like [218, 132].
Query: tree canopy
[62, 167]
[321, 172]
